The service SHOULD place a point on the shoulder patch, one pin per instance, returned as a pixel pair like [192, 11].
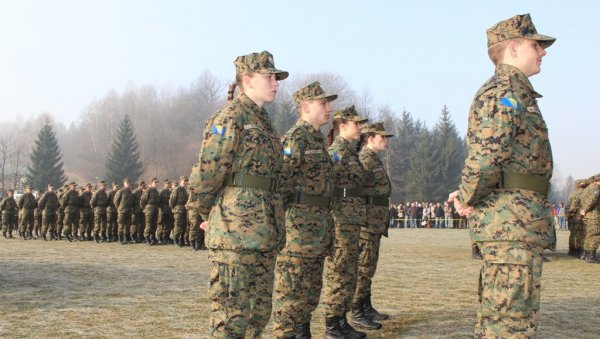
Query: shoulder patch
[288, 151]
[218, 129]
[336, 156]
[511, 102]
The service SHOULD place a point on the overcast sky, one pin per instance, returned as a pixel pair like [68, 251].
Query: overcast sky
[57, 56]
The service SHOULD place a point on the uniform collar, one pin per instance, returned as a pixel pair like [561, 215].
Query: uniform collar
[308, 127]
[513, 74]
[252, 106]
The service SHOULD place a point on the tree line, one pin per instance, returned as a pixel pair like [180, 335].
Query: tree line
[145, 132]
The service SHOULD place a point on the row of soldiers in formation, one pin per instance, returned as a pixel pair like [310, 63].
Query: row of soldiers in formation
[122, 214]
[583, 212]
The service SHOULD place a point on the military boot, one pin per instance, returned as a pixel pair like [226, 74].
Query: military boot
[4, 234]
[178, 242]
[36, 234]
[97, 238]
[584, 256]
[361, 319]
[371, 312]
[302, 331]
[333, 329]
[591, 259]
[68, 237]
[475, 252]
[349, 331]
[44, 236]
[153, 240]
[195, 245]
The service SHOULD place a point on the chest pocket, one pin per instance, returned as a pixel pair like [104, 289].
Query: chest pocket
[534, 137]
[317, 168]
[260, 150]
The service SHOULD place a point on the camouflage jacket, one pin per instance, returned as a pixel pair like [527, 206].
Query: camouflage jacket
[164, 197]
[8, 205]
[378, 185]
[590, 202]
[178, 199]
[150, 199]
[573, 204]
[124, 200]
[239, 138]
[137, 197]
[347, 173]
[48, 202]
[99, 199]
[507, 133]
[27, 201]
[306, 169]
[70, 201]
[86, 198]
[111, 201]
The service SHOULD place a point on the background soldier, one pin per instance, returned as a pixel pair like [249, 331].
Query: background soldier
[177, 201]
[590, 210]
[137, 223]
[60, 213]
[48, 205]
[26, 205]
[8, 207]
[99, 203]
[165, 217]
[85, 214]
[37, 216]
[149, 203]
[124, 204]
[196, 234]
[111, 214]
[70, 201]
[576, 232]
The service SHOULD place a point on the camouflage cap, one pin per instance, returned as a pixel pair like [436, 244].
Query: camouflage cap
[155, 179]
[28, 187]
[349, 113]
[312, 91]
[519, 26]
[102, 182]
[72, 183]
[51, 186]
[126, 181]
[258, 63]
[88, 185]
[377, 128]
[141, 183]
[183, 177]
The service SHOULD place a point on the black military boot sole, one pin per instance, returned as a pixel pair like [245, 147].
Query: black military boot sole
[362, 321]
[349, 331]
[333, 329]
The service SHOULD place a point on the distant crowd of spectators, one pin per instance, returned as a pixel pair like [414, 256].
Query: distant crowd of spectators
[425, 215]
[560, 216]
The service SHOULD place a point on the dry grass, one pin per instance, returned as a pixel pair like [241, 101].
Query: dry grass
[426, 280]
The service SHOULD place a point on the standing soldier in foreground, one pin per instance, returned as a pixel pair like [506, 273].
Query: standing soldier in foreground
[237, 184]
[85, 214]
[165, 217]
[124, 205]
[48, 205]
[590, 211]
[377, 191]
[26, 205]
[349, 215]
[149, 203]
[307, 186]
[111, 214]
[576, 231]
[137, 223]
[177, 201]
[70, 202]
[505, 181]
[8, 207]
[99, 203]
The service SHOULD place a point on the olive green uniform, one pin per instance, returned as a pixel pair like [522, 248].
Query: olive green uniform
[149, 203]
[124, 204]
[177, 201]
[137, 223]
[70, 202]
[26, 205]
[111, 216]
[165, 216]
[85, 215]
[196, 234]
[8, 206]
[100, 203]
[576, 228]
[48, 205]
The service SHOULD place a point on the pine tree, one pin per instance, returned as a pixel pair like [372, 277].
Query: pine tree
[422, 170]
[124, 158]
[46, 161]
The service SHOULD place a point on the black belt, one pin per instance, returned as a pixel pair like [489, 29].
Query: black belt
[343, 192]
[310, 199]
[251, 181]
[524, 181]
[377, 200]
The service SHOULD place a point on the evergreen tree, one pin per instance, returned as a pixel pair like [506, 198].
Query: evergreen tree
[46, 161]
[401, 146]
[124, 158]
[420, 176]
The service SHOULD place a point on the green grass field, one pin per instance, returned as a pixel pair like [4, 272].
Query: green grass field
[426, 280]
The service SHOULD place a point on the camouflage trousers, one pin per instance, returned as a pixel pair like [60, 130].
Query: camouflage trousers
[124, 221]
[60, 218]
[509, 290]
[48, 222]
[367, 265]
[240, 295]
[151, 217]
[8, 221]
[340, 271]
[85, 221]
[111, 222]
[194, 230]
[100, 221]
[592, 234]
[576, 234]
[298, 283]
[137, 224]
[26, 220]
[70, 223]
[180, 224]
[165, 223]
[37, 226]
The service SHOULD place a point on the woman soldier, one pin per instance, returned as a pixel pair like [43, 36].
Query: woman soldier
[307, 187]
[377, 190]
[349, 214]
[236, 183]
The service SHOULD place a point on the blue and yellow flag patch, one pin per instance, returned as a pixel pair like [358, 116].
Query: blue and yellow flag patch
[218, 129]
[289, 151]
[511, 102]
[336, 156]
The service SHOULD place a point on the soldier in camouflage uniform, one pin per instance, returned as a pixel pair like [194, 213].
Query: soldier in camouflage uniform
[137, 223]
[26, 205]
[307, 188]
[37, 216]
[48, 205]
[590, 211]
[165, 217]
[70, 202]
[196, 234]
[85, 214]
[8, 207]
[505, 182]
[576, 234]
[149, 203]
[349, 215]
[60, 213]
[237, 184]
[111, 214]
[99, 203]
[124, 204]
[377, 191]
[177, 201]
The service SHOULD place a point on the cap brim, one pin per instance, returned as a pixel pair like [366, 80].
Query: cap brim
[358, 119]
[279, 75]
[328, 97]
[544, 40]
